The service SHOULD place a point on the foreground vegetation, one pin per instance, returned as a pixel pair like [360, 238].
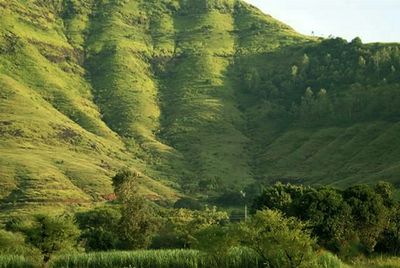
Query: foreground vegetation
[289, 226]
[238, 258]
[158, 258]
[180, 258]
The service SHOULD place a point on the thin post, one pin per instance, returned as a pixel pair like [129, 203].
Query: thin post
[245, 204]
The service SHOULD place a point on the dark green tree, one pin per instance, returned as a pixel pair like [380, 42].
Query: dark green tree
[329, 216]
[370, 216]
[138, 222]
[279, 197]
[100, 228]
[386, 191]
[389, 241]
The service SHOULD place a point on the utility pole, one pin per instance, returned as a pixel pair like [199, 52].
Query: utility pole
[245, 212]
[245, 204]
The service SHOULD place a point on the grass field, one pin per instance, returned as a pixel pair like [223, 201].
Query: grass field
[239, 257]
[184, 259]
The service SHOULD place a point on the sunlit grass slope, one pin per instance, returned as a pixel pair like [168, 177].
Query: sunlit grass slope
[55, 144]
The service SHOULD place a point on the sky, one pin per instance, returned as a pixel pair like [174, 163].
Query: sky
[371, 20]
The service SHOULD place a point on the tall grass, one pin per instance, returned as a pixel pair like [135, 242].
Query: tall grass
[12, 261]
[377, 262]
[157, 258]
[329, 260]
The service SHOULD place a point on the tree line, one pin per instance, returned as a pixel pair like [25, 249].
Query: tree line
[289, 225]
[360, 219]
[329, 83]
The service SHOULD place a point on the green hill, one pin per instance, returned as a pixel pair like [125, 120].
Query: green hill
[197, 95]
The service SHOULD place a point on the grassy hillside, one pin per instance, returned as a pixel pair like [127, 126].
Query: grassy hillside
[326, 115]
[197, 95]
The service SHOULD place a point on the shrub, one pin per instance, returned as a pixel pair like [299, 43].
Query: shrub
[52, 234]
[99, 228]
[280, 241]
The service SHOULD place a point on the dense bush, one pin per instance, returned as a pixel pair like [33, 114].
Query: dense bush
[280, 241]
[181, 226]
[100, 228]
[14, 244]
[346, 221]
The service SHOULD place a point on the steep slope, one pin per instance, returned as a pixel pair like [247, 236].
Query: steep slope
[328, 113]
[197, 95]
[55, 146]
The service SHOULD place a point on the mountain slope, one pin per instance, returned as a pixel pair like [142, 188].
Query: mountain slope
[196, 95]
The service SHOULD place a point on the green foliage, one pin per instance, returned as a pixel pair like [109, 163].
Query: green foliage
[197, 96]
[369, 214]
[329, 260]
[280, 241]
[100, 228]
[329, 216]
[138, 223]
[240, 258]
[377, 262]
[14, 244]
[16, 261]
[348, 222]
[216, 241]
[182, 225]
[125, 183]
[389, 240]
[280, 197]
[52, 235]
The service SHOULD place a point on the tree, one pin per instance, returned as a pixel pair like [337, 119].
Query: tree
[52, 234]
[389, 241]
[385, 190]
[280, 241]
[329, 216]
[100, 228]
[307, 106]
[356, 42]
[125, 184]
[369, 214]
[306, 59]
[138, 223]
[252, 80]
[294, 70]
[183, 224]
[279, 196]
